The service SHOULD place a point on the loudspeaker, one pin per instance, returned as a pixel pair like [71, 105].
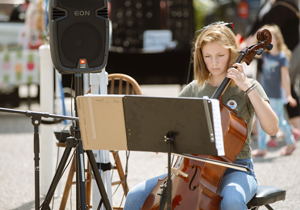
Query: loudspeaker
[78, 32]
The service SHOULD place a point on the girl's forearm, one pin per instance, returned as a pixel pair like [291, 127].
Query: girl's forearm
[265, 114]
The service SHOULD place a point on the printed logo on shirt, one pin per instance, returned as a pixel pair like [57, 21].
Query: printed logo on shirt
[232, 104]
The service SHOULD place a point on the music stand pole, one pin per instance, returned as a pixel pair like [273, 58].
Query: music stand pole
[169, 139]
[166, 194]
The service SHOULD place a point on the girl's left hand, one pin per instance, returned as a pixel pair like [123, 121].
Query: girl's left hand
[238, 76]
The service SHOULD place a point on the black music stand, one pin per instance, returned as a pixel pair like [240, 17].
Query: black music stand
[189, 120]
[185, 124]
[182, 122]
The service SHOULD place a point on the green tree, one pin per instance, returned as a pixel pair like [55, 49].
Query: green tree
[201, 9]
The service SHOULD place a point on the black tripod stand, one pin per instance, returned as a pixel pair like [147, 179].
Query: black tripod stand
[36, 121]
[75, 141]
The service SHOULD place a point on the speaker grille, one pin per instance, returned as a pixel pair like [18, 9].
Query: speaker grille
[57, 13]
[82, 40]
[103, 13]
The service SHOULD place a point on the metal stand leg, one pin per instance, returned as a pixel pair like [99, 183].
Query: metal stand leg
[80, 178]
[81, 196]
[36, 143]
[58, 174]
[104, 196]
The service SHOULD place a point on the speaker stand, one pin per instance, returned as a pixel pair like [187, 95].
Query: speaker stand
[75, 141]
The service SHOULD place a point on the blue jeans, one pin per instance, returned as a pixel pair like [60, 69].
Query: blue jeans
[277, 106]
[237, 188]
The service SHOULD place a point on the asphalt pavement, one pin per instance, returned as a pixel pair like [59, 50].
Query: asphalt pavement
[17, 186]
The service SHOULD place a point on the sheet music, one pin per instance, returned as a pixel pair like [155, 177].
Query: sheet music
[215, 104]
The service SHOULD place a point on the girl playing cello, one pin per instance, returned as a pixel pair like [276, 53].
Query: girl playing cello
[215, 53]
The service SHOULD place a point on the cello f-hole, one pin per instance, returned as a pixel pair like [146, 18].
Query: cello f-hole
[196, 169]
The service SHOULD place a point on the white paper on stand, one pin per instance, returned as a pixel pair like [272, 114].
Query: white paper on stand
[217, 126]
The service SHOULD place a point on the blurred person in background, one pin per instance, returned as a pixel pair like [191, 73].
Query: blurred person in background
[275, 76]
[281, 13]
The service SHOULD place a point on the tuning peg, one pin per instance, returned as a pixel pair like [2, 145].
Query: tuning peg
[259, 51]
[269, 46]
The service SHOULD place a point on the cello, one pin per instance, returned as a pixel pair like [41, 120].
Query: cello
[195, 181]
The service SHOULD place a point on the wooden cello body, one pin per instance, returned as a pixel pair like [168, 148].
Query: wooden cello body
[199, 189]
[196, 186]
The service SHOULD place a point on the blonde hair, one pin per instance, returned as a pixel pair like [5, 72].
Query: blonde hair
[214, 33]
[276, 32]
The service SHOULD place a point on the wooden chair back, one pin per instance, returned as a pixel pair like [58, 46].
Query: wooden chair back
[123, 84]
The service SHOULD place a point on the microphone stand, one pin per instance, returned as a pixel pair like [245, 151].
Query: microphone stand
[36, 121]
[74, 140]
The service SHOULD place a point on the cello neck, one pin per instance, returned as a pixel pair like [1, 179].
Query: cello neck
[226, 81]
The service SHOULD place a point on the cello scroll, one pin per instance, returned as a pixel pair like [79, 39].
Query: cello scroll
[264, 38]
